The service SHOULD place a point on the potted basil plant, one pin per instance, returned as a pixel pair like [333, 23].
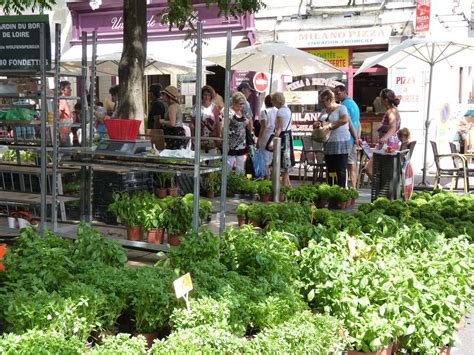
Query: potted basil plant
[126, 208]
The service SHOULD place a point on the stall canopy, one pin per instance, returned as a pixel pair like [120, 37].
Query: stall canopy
[427, 51]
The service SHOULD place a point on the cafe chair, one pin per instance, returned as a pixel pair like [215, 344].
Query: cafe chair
[312, 157]
[410, 146]
[468, 158]
[455, 171]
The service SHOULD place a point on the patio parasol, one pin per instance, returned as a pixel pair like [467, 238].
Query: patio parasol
[275, 57]
[430, 51]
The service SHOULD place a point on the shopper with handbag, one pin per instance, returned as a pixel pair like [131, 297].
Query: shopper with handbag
[237, 124]
[335, 118]
[283, 130]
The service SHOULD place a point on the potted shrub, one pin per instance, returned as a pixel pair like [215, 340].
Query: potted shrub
[126, 208]
[254, 214]
[323, 196]
[264, 189]
[241, 211]
[212, 184]
[249, 187]
[162, 190]
[283, 191]
[172, 188]
[177, 218]
[354, 194]
[153, 223]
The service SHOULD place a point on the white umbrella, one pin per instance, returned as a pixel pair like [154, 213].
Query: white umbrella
[430, 51]
[275, 57]
[107, 65]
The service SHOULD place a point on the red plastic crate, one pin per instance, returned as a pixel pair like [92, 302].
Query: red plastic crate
[122, 130]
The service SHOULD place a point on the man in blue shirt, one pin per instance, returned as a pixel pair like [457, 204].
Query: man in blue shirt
[354, 113]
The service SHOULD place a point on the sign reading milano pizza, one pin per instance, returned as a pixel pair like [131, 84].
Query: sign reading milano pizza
[20, 43]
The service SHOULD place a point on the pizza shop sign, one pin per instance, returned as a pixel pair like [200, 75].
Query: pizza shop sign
[313, 82]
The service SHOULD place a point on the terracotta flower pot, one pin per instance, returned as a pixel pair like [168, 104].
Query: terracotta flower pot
[161, 193]
[281, 197]
[265, 197]
[155, 236]
[445, 351]
[353, 201]
[149, 337]
[134, 233]
[173, 191]
[174, 239]
[210, 194]
[322, 203]
[242, 220]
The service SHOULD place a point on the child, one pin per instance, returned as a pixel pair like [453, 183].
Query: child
[404, 137]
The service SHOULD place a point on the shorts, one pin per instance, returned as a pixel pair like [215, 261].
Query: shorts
[353, 154]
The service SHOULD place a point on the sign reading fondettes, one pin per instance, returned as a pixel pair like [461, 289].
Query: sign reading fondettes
[261, 81]
[20, 43]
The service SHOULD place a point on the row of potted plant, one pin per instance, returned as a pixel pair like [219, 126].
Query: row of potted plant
[357, 282]
[323, 195]
[165, 184]
[143, 212]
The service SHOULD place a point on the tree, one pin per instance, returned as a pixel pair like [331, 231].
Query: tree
[179, 13]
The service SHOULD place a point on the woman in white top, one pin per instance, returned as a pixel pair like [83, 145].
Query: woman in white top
[267, 128]
[283, 130]
[210, 120]
[338, 146]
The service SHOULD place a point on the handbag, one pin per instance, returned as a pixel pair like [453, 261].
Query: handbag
[269, 145]
[321, 134]
[249, 137]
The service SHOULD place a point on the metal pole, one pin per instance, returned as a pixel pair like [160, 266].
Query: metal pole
[44, 118]
[54, 138]
[427, 126]
[85, 201]
[271, 72]
[88, 142]
[276, 168]
[225, 134]
[197, 128]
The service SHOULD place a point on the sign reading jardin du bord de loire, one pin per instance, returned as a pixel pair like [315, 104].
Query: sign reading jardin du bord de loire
[20, 43]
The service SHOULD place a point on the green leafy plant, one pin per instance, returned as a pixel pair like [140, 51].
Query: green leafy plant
[178, 215]
[91, 245]
[212, 181]
[126, 208]
[35, 341]
[242, 209]
[322, 334]
[120, 344]
[152, 298]
[202, 339]
[263, 187]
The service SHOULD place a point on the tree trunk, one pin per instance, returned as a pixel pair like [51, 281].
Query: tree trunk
[132, 64]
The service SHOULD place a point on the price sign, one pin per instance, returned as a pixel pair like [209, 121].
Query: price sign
[182, 287]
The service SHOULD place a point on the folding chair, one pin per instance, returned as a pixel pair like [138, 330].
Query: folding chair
[312, 156]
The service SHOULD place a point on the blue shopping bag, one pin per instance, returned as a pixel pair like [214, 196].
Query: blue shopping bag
[259, 166]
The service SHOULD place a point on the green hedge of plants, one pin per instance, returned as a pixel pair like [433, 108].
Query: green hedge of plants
[357, 281]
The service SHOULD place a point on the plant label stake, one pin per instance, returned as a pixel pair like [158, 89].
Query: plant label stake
[182, 287]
